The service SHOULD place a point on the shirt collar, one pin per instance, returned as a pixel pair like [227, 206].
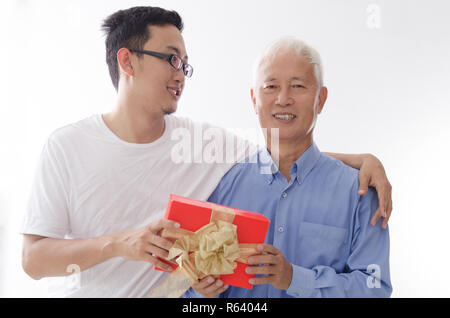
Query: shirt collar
[307, 161]
[266, 165]
[304, 164]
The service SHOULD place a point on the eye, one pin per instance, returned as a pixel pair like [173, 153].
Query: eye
[176, 61]
[298, 86]
[270, 86]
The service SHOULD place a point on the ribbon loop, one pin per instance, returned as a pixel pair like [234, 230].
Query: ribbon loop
[218, 249]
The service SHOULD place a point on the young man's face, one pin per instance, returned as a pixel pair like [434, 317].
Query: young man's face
[156, 82]
[284, 96]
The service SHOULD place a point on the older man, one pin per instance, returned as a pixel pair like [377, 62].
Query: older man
[319, 243]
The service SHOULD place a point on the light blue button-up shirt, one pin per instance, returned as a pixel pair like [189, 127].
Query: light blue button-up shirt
[318, 221]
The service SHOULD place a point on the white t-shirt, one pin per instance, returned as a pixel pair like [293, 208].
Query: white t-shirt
[90, 183]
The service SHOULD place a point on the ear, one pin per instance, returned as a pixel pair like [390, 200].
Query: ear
[124, 61]
[322, 98]
[252, 96]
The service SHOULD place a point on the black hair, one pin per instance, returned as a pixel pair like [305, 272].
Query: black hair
[129, 28]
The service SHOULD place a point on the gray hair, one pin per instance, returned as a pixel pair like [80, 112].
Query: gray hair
[300, 47]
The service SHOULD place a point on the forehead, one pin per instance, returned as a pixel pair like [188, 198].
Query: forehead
[285, 65]
[166, 38]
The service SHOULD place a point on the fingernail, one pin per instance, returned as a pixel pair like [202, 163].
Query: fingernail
[219, 283]
[251, 281]
[177, 225]
[247, 270]
[210, 280]
[260, 247]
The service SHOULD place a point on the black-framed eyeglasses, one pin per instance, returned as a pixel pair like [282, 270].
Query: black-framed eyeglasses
[173, 59]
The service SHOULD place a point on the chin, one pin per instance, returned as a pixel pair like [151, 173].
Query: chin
[169, 109]
[292, 135]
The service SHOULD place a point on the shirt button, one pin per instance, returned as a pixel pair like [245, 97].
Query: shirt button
[284, 195]
[281, 229]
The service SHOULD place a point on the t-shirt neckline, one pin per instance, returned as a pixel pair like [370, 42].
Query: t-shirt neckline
[116, 139]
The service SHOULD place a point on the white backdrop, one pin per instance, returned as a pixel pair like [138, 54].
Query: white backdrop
[387, 69]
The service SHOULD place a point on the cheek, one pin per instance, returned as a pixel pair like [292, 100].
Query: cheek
[264, 105]
[264, 115]
[306, 105]
[306, 117]
[155, 74]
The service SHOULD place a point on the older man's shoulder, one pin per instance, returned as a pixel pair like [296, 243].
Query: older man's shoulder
[335, 167]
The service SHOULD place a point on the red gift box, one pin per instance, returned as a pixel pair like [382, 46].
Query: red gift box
[194, 214]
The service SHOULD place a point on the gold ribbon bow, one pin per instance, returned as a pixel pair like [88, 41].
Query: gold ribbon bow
[211, 250]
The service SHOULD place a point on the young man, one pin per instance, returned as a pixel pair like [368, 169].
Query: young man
[319, 243]
[103, 183]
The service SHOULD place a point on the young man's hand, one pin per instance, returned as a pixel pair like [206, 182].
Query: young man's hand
[146, 243]
[372, 174]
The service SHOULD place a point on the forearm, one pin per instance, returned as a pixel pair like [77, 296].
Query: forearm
[43, 256]
[323, 281]
[352, 160]
[48, 257]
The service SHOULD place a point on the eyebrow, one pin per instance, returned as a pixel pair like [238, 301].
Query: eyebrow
[173, 48]
[271, 79]
[299, 78]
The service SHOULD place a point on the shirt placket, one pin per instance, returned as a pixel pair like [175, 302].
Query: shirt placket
[280, 226]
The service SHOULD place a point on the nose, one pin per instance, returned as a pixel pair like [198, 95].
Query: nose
[179, 76]
[284, 98]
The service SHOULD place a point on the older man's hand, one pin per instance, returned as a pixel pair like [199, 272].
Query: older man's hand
[272, 263]
[209, 287]
[372, 174]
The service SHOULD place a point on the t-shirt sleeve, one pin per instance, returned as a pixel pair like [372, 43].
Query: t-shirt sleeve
[215, 196]
[48, 205]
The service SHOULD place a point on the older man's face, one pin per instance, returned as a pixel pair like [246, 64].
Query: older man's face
[284, 96]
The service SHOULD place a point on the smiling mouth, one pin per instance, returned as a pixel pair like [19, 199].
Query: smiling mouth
[285, 117]
[175, 92]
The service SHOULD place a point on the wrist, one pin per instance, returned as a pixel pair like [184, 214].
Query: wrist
[358, 161]
[289, 271]
[353, 160]
[363, 158]
[109, 246]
